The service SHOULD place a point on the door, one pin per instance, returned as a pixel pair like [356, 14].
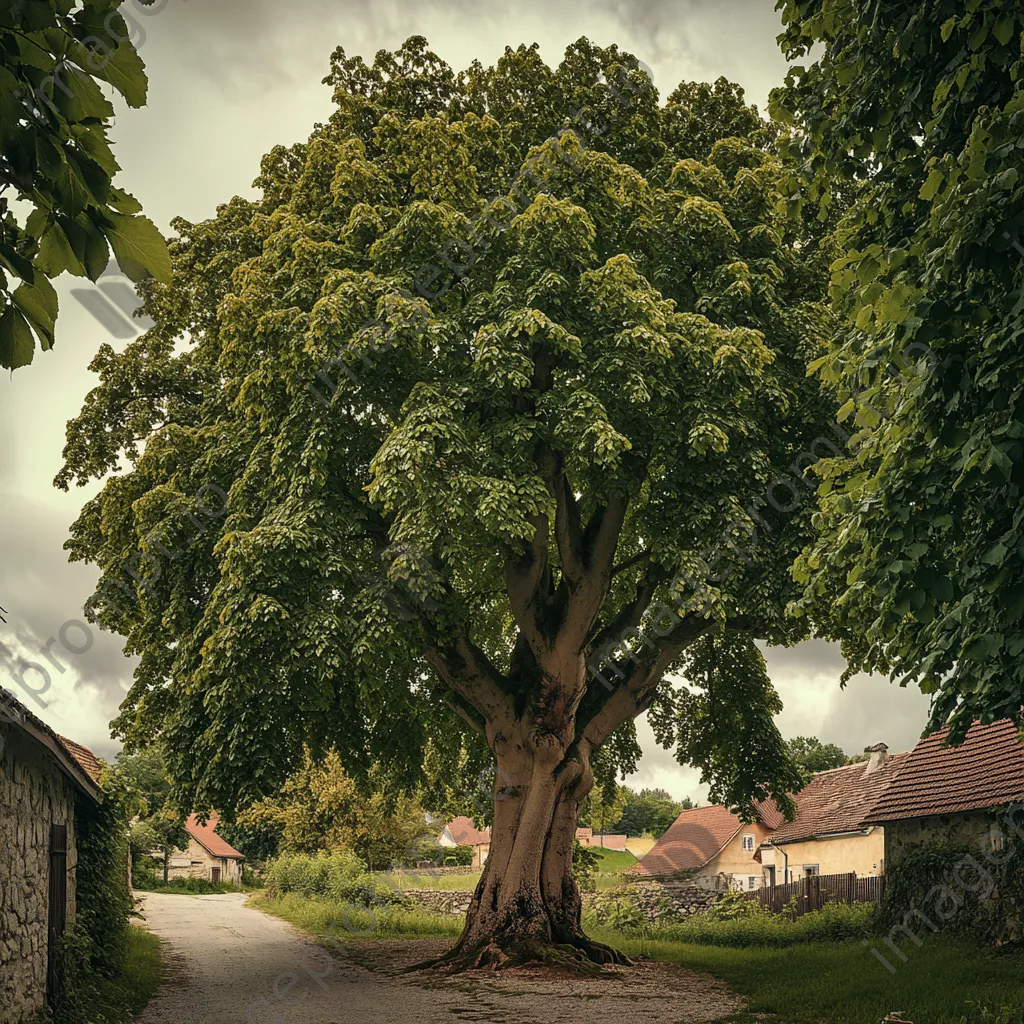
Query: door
[771, 874]
[58, 907]
[214, 874]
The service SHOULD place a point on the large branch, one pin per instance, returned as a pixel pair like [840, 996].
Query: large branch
[526, 581]
[631, 614]
[470, 675]
[639, 683]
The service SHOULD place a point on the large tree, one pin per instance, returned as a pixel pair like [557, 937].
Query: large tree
[441, 481]
[919, 564]
[55, 157]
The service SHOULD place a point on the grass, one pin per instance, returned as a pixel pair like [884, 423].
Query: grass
[144, 969]
[842, 983]
[403, 880]
[807, 981]
[611, 867]
[324, 918]
[188, 887]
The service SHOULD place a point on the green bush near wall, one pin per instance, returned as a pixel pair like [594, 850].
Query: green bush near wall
[94, 953]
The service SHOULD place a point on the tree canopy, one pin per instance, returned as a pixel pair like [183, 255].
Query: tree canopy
[814, 756]
[919, 562]
[56, 157]
[484, 418]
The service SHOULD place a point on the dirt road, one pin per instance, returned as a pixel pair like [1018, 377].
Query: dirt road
[232, 964]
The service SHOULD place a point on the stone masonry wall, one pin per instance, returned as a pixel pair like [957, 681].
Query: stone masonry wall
[34, 794]
[656, 901]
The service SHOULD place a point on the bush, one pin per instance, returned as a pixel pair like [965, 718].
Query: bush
[340, 877]
[734, 905]
[458, 856]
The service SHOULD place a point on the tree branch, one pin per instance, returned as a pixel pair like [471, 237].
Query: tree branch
[468, 672]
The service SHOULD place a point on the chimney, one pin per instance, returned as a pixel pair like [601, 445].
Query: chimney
[877, 756]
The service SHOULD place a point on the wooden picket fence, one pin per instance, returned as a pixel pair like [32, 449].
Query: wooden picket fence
[814, 891]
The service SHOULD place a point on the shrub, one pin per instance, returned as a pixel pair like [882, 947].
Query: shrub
[734, 905]
[340, 877]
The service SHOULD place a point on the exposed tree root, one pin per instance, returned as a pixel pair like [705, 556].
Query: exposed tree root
[581, 956]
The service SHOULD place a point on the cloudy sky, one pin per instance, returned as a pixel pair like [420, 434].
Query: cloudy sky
[229, 79]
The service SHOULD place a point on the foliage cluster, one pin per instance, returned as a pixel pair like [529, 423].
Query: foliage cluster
[148, 881]
[94, 953]
[57, 159]
[321, 809]
[340, 877]
[918, 564]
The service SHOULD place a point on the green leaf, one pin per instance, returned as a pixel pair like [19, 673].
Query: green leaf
[947, 28]
[39, 304]
[931, 185]
[1003, 30]
[122, 67]
[56, 253]
[16, 344]
[139, 247]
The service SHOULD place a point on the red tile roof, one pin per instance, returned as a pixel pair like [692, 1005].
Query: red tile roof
[465, 833]
[985, 771]
[86, 759]
[208, 838]
[694, 838]
[837, 801]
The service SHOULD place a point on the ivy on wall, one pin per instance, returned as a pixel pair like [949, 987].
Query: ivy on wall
[94, 951]
[959, 890]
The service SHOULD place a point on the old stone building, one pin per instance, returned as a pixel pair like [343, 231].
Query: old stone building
[44, 779]
[208, 856]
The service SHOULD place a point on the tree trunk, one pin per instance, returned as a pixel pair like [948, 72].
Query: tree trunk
[167, 864]
[527, 906]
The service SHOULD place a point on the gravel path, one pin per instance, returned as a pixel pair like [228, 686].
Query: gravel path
[231, 964]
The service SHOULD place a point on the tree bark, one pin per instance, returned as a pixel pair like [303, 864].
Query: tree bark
[527, 906]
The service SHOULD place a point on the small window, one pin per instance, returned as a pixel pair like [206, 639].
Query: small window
[748, 843]
[811, 869]
[752, 882]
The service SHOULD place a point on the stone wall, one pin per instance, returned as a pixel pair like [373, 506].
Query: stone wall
[659, 901]
[439, 902]
[656, 901]
[34, 793]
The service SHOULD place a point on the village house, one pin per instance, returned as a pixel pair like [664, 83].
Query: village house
[830, 833]
[208, 855]
[711, 847]
[951, 795]
[47, 783]
[462, 832]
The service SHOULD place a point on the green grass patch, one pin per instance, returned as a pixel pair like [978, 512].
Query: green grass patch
[329, 918]
[942, 982]
[144, 969]
[613, 862]
[403, 880]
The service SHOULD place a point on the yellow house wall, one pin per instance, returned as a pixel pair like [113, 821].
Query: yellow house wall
[863, 854]
[736, 862]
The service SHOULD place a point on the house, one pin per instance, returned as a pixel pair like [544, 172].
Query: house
[951, 795]
[208, 855]
[711, 847]
[830, 833]
[599, 841]
[47, 785]
[462, 832]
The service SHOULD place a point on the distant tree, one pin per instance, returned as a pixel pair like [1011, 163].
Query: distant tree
[158, 825]
[603, 809]
[57, 160]
[814, 756]
[322, 809]
[651, 811]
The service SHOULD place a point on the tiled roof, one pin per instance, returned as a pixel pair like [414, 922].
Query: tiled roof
[985, 771]
[87, 760]
[693, 839]
[75, 760]
[837, 801]
[465, 833]
[205, 835]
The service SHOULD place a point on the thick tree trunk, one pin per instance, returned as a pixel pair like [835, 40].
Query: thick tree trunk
[527, 906]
